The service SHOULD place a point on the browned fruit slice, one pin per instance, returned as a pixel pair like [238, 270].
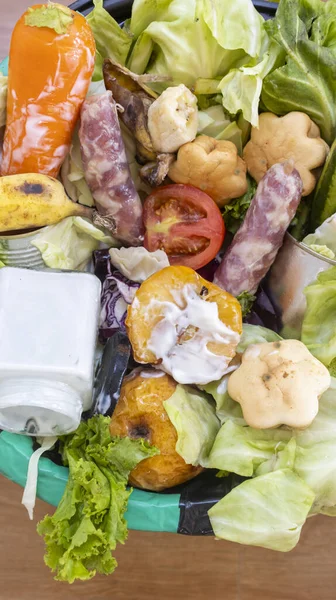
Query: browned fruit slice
[140, 414]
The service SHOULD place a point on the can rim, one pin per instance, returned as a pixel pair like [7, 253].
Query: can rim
[22, 235]
[308, 250]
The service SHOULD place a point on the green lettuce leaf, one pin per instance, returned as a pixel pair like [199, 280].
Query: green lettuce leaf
[234, 212]
[3, 98]
[195, 421]
[267, 511]
[241, 450]
[53, 16]
[193, 39]
[89, 521]
[111, 40]
[310, 67]
[69, 244]
[318, 327]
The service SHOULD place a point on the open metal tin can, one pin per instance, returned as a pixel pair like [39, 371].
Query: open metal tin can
[295, 267]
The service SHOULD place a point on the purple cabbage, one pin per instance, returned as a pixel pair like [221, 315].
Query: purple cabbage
[264, 311]
[117, 293]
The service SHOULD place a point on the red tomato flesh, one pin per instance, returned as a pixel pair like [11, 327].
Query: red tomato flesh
[184, 222]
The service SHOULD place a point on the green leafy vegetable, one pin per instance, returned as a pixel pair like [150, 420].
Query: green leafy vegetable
[323, 250]
[72, 174]
[195, 421]
[52, 16]
[332, 367]
[111, 40]
[255, 334]
[226, 408]
[246, 301]
[3, 98]
[234, 212]
[310, 67]
[69, 244]
[324, 235]
[318, 327]
[324, 201]
[193, 39]
[316, 453]
[241, 87]
[89, 521]
[267, 511]
[241, 450]
[212, 121]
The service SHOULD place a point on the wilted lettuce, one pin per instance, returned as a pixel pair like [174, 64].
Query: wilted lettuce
[195, 421]
[89, 520]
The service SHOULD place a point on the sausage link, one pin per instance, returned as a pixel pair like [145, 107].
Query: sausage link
[257, 241]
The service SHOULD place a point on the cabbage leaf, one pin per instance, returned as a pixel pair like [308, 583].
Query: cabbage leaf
[193, 39]
[195, 422]
[267, 511]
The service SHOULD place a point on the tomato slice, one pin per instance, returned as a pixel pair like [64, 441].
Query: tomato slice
[184, 222]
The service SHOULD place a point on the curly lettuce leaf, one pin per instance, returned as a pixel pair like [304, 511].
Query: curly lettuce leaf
[267, 511]
[234, 212]
[310, 67]
[89, 521]
[195, 421]
[246, 301]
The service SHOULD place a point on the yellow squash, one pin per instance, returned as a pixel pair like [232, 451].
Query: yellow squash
[30, 201]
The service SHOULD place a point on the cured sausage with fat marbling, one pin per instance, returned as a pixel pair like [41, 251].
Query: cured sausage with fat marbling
[107, 172]
[257, 241]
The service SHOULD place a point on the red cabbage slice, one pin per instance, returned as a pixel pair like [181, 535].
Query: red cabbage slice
[117, 293]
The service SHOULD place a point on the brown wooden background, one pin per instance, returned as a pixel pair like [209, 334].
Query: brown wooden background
[162, 566]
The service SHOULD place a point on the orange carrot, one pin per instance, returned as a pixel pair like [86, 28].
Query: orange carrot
[51, 61]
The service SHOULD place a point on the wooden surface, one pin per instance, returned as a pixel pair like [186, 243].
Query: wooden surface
[163, 566]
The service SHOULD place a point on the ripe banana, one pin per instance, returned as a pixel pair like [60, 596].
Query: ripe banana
[30, 201]
[173, 119]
